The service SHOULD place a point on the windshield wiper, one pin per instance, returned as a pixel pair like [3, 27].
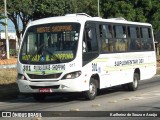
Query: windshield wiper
[35, 53]
[53, 55]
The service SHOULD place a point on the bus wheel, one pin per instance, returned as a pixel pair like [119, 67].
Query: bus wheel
[39, 97]
[134, 85]
[92, 92]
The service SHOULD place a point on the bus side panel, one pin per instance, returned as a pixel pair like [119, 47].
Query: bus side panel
[148, 70]
[118, 68]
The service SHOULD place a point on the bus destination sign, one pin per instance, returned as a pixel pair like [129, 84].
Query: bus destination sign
[59, 28]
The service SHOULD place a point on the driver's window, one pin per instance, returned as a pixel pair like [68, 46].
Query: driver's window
[90, 41]
[31, 43]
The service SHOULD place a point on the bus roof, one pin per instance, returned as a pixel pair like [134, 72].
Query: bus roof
[82, 18]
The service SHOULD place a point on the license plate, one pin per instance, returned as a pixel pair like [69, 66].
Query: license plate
[45, 90]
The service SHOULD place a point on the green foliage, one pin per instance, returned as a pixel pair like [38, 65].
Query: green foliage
[1, 14]
[117, 8]
[23, 9]
[154, 18]
[50, 8]
[135, 10]
[1, 18]
[89, 7]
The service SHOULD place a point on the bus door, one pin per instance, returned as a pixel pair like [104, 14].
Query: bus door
[90, 43]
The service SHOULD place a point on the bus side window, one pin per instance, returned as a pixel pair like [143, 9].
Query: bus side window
[89, 43]
[121, 43]
[92, 44]
[106, 38]
[89, 38]
[150, 40]
[135, 43]
[146, 39]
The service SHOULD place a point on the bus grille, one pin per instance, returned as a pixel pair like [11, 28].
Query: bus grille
[37, 87]
[51, 76]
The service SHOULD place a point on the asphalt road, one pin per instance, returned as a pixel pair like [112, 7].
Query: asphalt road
[113, 103]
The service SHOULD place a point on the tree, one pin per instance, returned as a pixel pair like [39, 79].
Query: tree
[135, 10]
[143, 9]
[88, 6]
[28, 10]
[110, 9]
[51, 8]
[148, 11]
[1, 18]
[2, 15]
[24, 10]
[155, 17]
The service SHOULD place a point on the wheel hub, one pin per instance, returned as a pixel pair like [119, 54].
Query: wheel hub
[92, 89]
[135, 83]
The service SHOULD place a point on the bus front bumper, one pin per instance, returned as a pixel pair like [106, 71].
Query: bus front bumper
[68, 85]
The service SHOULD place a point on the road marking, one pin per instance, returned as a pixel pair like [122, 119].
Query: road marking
[96, 105]
[74, 109]
[157, 93]
[137, 98]
[127, 99]
[113, 101]
[145, 94]
[151, 94]
[141, 95]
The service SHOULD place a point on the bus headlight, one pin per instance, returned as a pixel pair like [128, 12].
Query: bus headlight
[72, 75]
[21, 77]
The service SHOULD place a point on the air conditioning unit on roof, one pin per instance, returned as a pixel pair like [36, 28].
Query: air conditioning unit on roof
[119, 18]
[77, 14]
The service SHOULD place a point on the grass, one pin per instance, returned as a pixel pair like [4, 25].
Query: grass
[8, 76]
[8, 86]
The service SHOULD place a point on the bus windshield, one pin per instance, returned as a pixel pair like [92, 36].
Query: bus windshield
[50, 43]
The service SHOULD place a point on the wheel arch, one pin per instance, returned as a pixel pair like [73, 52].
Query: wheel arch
[97, 79]
[137, 70]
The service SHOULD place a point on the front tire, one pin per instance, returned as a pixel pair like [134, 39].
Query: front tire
[92, 92]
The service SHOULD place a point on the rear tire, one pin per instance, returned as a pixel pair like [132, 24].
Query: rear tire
[92, 92]
[39, 97]
[133, 86]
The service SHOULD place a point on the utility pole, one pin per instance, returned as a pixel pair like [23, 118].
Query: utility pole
[98, 9]
[6, 29]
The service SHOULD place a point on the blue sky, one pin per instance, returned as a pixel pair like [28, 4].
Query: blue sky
[11, 27]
